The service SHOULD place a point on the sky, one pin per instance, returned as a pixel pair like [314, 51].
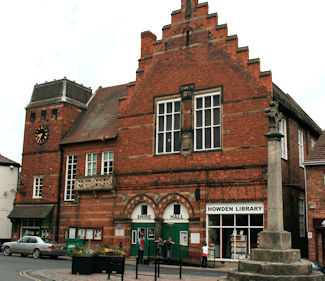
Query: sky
[97, 43]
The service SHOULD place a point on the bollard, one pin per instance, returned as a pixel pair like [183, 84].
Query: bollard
[158, 267]
[136, 268]
[155, 269]
[180, 268]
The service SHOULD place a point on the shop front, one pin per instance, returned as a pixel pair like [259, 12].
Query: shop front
[232, 229]
[36, 220]
[143, 223]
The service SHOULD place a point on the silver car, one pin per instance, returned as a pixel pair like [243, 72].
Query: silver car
[34, 245]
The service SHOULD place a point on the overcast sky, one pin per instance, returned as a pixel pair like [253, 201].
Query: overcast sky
[97, 43]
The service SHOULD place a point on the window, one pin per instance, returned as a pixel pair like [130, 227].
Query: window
[177, 209]
[70, 175]
[301, 148]
[107, 162]
[283, 130]
[43, 115]
[32, 117]
[91, 164]
[168, 136]
[207, 122]
[144, 210]
[54, 113]
[38, 186]
[301, 217]
[312, 143]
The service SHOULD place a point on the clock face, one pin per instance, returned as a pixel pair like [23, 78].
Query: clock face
[41, 134]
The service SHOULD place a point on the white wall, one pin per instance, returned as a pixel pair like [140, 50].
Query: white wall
[8, 189]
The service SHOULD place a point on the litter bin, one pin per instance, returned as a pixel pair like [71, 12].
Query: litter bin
[73, 242]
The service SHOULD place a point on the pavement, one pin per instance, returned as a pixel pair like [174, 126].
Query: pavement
[65, 274]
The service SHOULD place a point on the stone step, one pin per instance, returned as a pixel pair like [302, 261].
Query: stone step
[285, 256]
[248, 276]
[275, 268]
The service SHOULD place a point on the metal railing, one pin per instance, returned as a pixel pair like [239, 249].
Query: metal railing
[190, 255]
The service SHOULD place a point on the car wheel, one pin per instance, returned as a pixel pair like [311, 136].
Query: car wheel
[37, 254]
[7, 251]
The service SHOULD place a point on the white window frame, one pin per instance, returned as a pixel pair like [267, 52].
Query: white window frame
[312, 143]
[165, 132]
[202, 127]
[301, 148]
[107, 163]
[301, 206]
[69, 194]
[91, 164]
[38, 187]
[284, 146]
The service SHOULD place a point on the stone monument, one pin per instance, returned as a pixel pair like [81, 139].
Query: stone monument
[274, 260]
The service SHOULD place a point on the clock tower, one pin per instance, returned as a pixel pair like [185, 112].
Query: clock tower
[52, 111]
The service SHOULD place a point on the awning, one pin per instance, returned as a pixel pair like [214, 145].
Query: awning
[31, 211]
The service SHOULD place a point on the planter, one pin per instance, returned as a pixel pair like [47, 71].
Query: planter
[101, 264]
[82, 264]
[117, 264]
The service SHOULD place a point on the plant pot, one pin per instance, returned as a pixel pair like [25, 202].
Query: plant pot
[82, 264]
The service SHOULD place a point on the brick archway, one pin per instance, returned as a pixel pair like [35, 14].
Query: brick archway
[165, 201]
[133, 202]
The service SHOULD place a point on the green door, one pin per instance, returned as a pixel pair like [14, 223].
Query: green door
[177, 232]
[138, 228]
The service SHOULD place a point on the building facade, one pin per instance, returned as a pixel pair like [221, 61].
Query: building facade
[315, 181]
[179, 153]
[9, 177]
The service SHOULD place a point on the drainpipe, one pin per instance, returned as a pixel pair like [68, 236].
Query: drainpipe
[59, 196]
[306, 201]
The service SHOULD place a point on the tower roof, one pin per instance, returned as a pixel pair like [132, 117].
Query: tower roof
[62, 90]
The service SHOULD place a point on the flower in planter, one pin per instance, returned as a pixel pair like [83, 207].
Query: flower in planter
[83, 250]
[102, 250]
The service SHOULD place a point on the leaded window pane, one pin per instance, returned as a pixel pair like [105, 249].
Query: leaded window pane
[207, 137]
[199, 118]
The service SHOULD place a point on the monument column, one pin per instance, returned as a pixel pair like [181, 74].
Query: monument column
[274, 260]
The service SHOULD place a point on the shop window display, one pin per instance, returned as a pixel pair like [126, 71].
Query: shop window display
[232, 236]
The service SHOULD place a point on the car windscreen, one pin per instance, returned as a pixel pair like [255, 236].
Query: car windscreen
[49, 240]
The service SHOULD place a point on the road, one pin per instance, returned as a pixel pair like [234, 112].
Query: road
[14, 267]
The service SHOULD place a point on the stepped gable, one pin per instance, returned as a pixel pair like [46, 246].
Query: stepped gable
[99, 122]
[193, 46]
[62, 90]
[318, 151]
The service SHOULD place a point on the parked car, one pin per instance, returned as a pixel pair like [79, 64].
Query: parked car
[316, 265]
[34, 245]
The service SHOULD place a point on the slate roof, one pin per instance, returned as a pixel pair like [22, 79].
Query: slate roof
[4, 161]
[62, 90]
[100, 119]
[318, 151]
[31, 211]
[286, 102]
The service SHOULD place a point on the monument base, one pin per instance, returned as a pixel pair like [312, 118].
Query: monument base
[277, 263]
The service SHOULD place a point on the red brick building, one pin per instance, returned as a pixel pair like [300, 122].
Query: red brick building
[179, 152]
[315, 181]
